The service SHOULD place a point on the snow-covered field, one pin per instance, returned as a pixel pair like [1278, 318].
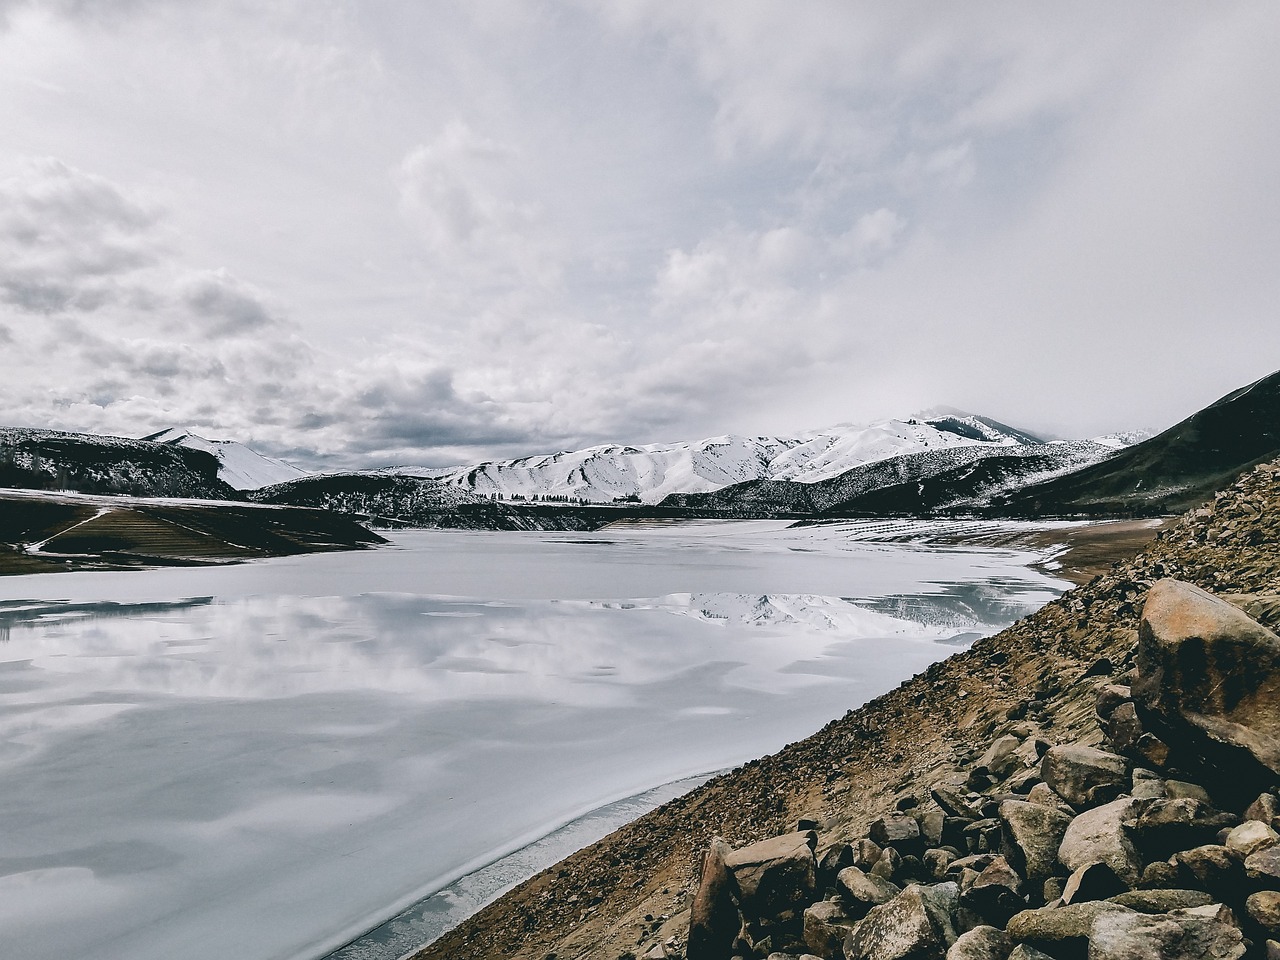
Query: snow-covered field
[262, 761]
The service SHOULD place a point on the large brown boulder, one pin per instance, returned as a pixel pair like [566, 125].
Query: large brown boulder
[775, 876]
[915, 925]
[1135, 936]
[1084, 776]
[713, 917]
[1210, 674]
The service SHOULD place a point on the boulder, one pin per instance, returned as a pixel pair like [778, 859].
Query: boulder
[1250, 837]
[1162, 827]
[914, 925]
[774, 875]
[1061, 931]
[1001, 757]
[865, 853]
[1099, 836]
[980, 943]
[713, 917]
[1033, 832]
[1208, 671]
[932, 823]
[1123, 728]
[1110, 696]
[1266, 808]
[861, 891]
[1136, 936]
[994, 895]
[832, 860]
[1084, 776]
[956, 804]
[897, 830]
[1025, 951]
[1181, 789]
[889, 866]
[1263, 908]
[936, 862]
[1163, 900]
[826, 925]
[1212, 868]
[1263, 866]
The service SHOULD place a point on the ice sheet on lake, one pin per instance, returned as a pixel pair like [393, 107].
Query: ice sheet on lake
[264, 760]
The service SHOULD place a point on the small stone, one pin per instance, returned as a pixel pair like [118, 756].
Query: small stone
[956, 804]
[1025, 951]
[1162, 901]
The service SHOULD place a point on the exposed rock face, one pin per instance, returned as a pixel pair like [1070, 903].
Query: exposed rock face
[713, 918]
[1129, 936]
[1211, 673]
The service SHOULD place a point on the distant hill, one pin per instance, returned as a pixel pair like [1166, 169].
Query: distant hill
[53, 460]
[960, 479]
[1171, 472]
[238, 465]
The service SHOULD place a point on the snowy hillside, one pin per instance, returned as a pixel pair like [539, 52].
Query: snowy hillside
[651, 472]
[238, 466]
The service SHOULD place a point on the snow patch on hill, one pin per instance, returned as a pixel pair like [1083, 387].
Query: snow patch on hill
[238, 465]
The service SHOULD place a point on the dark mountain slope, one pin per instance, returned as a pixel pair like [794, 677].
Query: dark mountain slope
[1170, 472]
[53, 460]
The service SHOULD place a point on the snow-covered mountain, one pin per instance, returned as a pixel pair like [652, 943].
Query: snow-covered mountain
[238, 466]
[649, 473]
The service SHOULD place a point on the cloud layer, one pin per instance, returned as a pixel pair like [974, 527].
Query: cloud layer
[395, 232]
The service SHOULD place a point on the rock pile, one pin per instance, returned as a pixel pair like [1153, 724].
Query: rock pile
[1159, 843]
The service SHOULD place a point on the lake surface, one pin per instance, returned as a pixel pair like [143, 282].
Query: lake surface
[262, 761]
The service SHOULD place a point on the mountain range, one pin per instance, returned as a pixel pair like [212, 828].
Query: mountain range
[942, 464]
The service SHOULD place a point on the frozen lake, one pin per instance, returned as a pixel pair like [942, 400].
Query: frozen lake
[262, 761]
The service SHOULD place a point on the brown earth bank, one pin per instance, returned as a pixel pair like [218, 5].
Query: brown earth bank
[1036, 684]
[42, 532]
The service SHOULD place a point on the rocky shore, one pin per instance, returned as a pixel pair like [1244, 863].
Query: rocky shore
[1099, 781]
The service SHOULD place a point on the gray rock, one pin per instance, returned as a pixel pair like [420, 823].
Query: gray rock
[1266, 808]
[713, 917]
[897, 830]
[956, 804]
[1001, 757]
[1264, 866]
[1212, 868]
[1148, 790]
[1059, 929]
[773, 876]
[1093, 881]
[1136, 936]
[1264, 908]
[1250, 837]
[826, 925]
[936, 862]
[994, 894]
[1084, 776]
[932, 823]
[1182, 790]
[1099, 836]
[980, 943]
[914, 925]
[1165, 826]
[1206, 669]
[1043, 794]
[1110, 696]
[1163, 900]
[834, 859]
[865, 853]
[1026, 952]
[889, 865]
[861, 891]
[1033, 833]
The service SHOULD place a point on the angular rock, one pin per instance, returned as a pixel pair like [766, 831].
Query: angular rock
[1264, 908]
[1084, 776]
[1001, 757]
[1250, 837]
[713, 917]
[1093, 881]
[983, 836]
[932, 823]
[1165, 826]
[994, 894]
[1123, 728]
[1043, 794]
[774, 875]
[1207, 670]
[956, 804]
[1136, 936]
[1266, 808]
[1060, 930]
[889, 866]
[826, 925]
[1099, 836]
[1160, 873]
[897, 830]
[1026, 952]
[1110, 696]
[914, 924]
[1163, 900]
[1264, 866]
[980, 943]
[865, 853]
[861, 891]
[1212, 868]
[1182, 790]
[936, 862]
[1033, 833]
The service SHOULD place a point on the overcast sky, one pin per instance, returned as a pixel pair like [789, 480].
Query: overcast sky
[391, 231]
